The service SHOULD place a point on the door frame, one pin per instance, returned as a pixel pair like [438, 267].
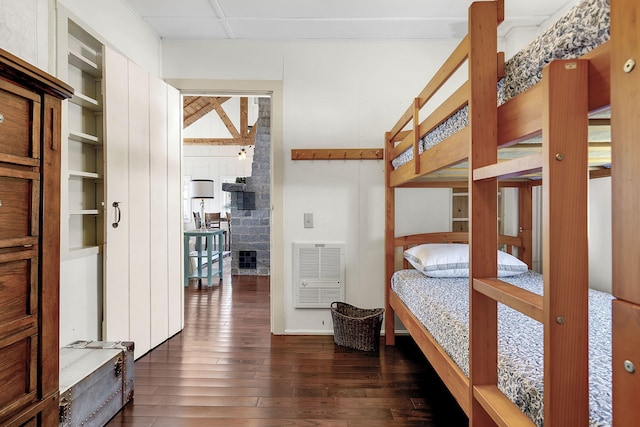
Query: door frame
[273, 88]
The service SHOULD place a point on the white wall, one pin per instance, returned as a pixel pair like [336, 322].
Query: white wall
[24, 29]
[335, 94]
[80, 305]
[600, 268]
[599, 232]
[348, 95]
[431, 203]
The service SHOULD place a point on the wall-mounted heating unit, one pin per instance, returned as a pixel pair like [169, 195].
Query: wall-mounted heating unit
[318, 274]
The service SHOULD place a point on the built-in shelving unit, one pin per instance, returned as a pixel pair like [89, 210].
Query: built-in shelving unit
[459, 209]
[121, 159]
[83, 162]
[83, 174]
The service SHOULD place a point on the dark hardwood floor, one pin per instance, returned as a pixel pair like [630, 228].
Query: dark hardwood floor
[226, 369]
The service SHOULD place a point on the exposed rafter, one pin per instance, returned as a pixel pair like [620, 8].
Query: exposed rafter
[223, 116]
[219, 141]
[196, 107]
[244, 116]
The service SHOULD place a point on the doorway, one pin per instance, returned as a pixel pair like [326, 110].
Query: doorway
[272, 88]
[226, 142]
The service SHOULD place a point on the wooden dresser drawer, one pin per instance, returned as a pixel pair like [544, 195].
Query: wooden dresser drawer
[19, 299]
[18, 371]
[18, 216]
[17, 131]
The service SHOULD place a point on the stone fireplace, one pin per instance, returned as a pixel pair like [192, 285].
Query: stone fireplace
[251, 205]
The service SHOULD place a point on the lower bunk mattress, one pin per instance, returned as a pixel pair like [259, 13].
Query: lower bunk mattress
[442, 306]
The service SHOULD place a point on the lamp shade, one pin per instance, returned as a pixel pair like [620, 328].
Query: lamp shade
[202, 189]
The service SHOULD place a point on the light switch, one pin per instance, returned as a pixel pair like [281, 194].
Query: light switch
[308, 220]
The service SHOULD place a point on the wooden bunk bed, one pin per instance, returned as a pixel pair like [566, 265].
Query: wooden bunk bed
[558, 108]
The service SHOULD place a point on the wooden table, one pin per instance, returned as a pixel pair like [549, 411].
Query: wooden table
[204, 238]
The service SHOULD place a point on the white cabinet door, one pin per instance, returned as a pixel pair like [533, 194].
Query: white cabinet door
[158, 217]
[143, 290]
[174, 203]
[139, 210]
[116, 250]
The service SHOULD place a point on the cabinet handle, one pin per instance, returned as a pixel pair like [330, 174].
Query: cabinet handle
[1, 118]
[118, 216]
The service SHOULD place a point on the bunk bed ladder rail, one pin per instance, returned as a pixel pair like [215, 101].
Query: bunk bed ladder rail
[625, 110]
[563, 308]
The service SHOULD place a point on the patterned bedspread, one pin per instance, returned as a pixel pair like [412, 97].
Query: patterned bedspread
[580, 30]
[442, 306]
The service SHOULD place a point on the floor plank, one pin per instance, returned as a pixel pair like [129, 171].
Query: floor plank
[226, 369]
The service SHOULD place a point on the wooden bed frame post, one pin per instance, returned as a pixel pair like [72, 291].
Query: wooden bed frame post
[625, 177]
[416, 135]
[483, 199]
[565, 242]
[389, 246]
[525, 223]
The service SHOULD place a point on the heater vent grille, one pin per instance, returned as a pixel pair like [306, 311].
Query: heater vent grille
[319, 270]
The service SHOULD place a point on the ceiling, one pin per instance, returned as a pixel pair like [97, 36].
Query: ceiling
[286, 20]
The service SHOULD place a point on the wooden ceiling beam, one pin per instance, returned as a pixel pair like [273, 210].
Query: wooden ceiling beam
[252, 132]
[196, 107]
[244, 116]
[219, 141]
[223, 116]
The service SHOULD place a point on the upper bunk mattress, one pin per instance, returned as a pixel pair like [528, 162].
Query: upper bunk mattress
[442, 306]
[583, 28]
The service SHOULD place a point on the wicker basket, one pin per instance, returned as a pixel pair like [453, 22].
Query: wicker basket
[357, 328]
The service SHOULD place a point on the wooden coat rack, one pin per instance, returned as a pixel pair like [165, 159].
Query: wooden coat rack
[337, 154]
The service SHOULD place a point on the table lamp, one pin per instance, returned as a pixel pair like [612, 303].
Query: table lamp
[202, 189]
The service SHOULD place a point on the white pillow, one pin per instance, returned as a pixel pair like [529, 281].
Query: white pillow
[452, 260]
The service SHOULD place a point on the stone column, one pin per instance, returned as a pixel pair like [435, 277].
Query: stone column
[250, 228]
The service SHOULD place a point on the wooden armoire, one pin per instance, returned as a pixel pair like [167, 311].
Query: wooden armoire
[30, 118]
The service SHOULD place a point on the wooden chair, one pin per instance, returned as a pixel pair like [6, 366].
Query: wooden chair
[212, 219]
[197, 219]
